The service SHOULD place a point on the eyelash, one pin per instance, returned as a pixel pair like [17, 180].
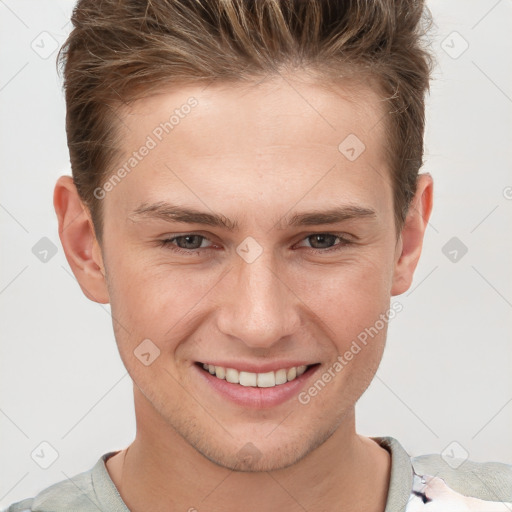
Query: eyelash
[168, 243]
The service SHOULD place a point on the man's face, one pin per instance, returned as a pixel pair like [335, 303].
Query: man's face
[267, 295]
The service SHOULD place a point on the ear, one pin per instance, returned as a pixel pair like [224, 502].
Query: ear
[411, 237]
[76, 232]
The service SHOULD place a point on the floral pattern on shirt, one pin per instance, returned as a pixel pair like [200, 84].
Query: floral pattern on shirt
[432, 494]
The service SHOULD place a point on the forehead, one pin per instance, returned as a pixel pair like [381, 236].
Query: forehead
[280, 110]
[273, 141]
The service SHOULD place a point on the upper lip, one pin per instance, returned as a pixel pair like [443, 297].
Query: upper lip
[245, 366]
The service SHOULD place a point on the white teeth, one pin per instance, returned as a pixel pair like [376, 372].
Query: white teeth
[266, 380]
[250, 379]
[232, 375]
[281, 377]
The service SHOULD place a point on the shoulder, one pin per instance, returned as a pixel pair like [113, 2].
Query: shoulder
[21, 506]
[462, 481]
[76, 493]
[486, 480]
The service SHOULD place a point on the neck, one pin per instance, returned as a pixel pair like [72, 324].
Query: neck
[161, 471]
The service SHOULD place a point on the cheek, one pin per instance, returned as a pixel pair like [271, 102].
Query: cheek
[353, 305]
[156, 304]
[158, 301]
[350, 297]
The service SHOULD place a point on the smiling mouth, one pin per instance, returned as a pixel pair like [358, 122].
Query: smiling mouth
[260, 380]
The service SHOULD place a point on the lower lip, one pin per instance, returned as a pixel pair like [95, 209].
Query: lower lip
[254, 397]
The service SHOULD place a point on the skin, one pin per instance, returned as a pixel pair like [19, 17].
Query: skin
[255, 155]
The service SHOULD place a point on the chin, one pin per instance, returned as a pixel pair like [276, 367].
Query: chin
[255, 462]
[263, 454]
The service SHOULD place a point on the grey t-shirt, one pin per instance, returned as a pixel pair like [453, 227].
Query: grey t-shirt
[420, 484]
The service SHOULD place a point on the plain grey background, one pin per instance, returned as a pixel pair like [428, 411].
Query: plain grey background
[445, 382]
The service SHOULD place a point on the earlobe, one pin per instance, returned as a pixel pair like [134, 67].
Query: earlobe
[411, 238]
[79, 241]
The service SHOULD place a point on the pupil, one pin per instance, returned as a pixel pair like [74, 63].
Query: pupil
[321, 238]
[187, 240]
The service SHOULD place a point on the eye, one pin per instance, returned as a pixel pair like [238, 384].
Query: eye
[189, 244]
[323, 239]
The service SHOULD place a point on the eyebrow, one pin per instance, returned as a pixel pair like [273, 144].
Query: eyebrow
[173, 213]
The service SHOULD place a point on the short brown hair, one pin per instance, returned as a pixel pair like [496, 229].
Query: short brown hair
[122, 50]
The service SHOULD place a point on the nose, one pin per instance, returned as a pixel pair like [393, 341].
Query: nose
[258, 306]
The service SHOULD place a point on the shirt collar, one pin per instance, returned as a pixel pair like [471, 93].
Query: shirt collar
[401, 478]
